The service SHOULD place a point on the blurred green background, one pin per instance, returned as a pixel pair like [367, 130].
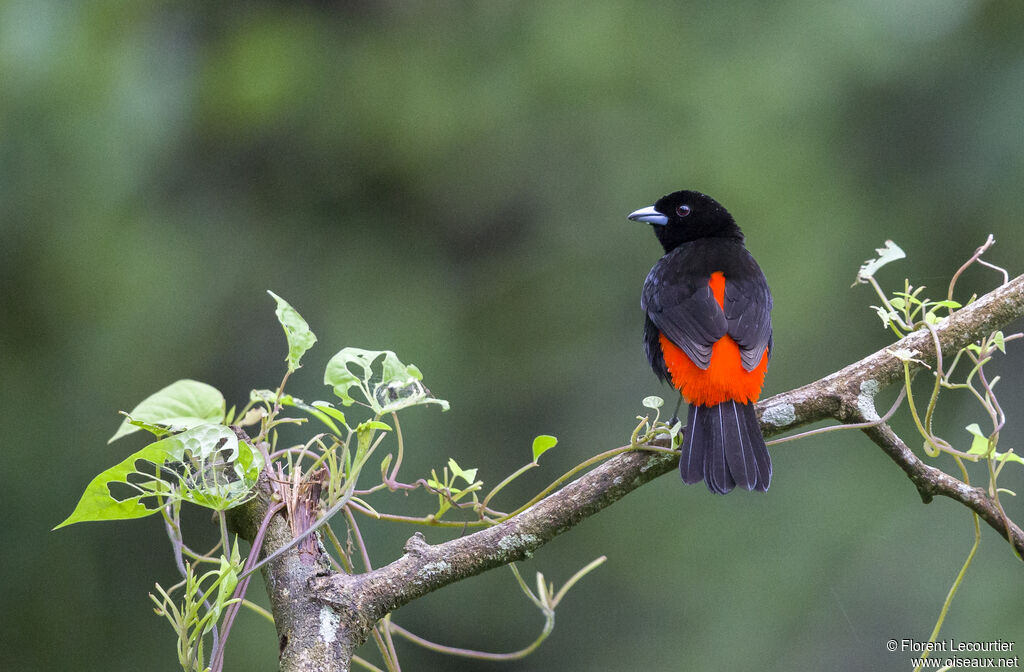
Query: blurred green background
[451, 180]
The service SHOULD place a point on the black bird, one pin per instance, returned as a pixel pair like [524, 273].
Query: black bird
[708, 332]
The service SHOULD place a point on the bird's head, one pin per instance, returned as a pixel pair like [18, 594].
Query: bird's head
[683, 216]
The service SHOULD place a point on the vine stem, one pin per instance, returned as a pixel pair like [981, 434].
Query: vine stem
[976, 257]
[365, 664]
[393, 476]
[470, 653]
[852, 425]
[217, 659]
[508, 479]
[959, 577]
[381, 634]
[597, 459]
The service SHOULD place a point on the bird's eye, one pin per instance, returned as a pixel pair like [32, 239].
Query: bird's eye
[682, 210]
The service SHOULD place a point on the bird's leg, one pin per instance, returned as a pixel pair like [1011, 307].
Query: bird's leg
[675, 414]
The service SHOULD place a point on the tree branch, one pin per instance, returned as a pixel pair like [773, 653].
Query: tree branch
[425, 568]
[847, 395]
[931, 481]
[311, 636]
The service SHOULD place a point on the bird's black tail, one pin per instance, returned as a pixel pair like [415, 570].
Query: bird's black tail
[723, 447]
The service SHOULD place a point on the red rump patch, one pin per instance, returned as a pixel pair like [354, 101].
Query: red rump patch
[725, 378]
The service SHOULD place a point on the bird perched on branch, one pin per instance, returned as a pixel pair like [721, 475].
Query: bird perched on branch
[708, 332]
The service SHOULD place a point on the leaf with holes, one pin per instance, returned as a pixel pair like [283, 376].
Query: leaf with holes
[181, 405]
[206, 465]
[395, 387]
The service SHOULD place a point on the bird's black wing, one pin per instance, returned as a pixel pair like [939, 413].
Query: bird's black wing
[748, 306]
[680, 304]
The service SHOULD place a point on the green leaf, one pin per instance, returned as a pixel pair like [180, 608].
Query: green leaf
[270, 397]
[300, 338]
[1012, 457]
[266, 396]
[229, 572]
[946, 304]
[97, 503]
[897, 303]
[543, 444]
[394, 370]
[674, 431]
[885, 315]
[396, 395]
[979, 444]
[226, 577]
[889, 253]
[181, 405]
[397, 386]
[468, 475]
[343, 381]
[653, 402]
[372, 424]
[315, 411]
[340, 376]
[999, 341]
[206, 465]
[328, 408]
[156, 430]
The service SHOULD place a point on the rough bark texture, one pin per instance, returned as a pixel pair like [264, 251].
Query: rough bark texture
[310, 635]
[841, 394]
[425, 568]
[323, 616]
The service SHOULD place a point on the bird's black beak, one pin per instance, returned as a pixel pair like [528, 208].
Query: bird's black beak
[649, 215]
